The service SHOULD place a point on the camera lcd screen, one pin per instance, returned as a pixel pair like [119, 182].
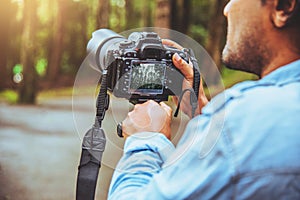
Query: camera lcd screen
[147, 77]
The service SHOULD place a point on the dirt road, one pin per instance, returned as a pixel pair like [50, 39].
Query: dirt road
[40, 148]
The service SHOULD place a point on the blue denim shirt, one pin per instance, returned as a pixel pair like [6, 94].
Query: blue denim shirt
[245, 145]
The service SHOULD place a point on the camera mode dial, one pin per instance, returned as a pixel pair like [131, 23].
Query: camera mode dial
[125, 44]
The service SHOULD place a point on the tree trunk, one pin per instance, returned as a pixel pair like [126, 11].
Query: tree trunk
[185, 16]
[146, 14]
[5, 16]
[76, 57]
[162, 14]
[130, 15]
[180, 15]
[216, 37]
[174, 15]
[28, 88]
[56, 48]
[103, 10]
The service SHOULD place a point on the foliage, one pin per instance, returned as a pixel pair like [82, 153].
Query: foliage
[9, 96]
[18, 68]
[41, 66]
[199, 33]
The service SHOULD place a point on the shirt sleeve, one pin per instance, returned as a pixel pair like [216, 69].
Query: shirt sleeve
[151, 168]
[144, 154]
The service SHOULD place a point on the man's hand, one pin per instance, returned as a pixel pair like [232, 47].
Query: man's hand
[187, 70]
[148, 117]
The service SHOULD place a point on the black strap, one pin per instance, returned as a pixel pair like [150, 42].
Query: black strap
[90, 162]
[194, 92]
[194, 102]
[196, 70]
[93, 146]
[102, 101]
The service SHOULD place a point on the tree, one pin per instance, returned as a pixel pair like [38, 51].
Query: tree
[75, 43]
[28, 88]
[103, 10]
[6, 16]
[162, 14]
[56, 49]
[130, 14]
[180, 15]
[216, 36]
[139, 13]
[147, 19]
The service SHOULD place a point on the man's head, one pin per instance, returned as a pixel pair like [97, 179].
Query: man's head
[259, 31]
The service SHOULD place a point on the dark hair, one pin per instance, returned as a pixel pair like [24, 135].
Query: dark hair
[295, 17]
[264, 1]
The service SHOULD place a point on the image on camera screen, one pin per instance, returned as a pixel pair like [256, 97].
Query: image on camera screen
[147, 77]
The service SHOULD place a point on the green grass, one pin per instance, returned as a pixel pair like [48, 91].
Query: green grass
[231, 77]
[11, 96]
[62, 92]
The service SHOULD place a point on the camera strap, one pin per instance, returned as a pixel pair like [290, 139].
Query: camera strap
[194, 92]
[93, 146]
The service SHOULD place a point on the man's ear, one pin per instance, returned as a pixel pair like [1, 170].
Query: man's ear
[283, 11]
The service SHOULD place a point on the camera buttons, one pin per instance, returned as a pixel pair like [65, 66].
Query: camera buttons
[125, 43]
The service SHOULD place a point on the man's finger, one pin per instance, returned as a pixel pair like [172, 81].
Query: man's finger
[166, 108]
[171, 44]
[183, 66]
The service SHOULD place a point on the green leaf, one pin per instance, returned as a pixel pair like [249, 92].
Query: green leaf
[17, 69]
[41, 66]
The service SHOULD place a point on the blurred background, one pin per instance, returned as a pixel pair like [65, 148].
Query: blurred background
[43, 43]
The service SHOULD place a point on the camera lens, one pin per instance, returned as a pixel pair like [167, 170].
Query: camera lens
[102, 41]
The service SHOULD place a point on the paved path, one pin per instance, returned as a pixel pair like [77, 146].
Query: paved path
[40, 148]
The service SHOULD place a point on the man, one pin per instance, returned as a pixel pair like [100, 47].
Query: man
[245, 143]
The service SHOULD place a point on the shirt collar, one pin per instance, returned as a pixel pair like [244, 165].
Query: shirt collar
[285, 74]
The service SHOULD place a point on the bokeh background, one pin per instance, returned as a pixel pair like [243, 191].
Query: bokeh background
[43, 44]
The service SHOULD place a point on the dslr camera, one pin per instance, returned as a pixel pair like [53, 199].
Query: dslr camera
[139, 68]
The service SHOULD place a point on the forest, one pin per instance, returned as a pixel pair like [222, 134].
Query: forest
[43, 42]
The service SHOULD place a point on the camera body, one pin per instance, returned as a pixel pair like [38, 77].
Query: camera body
[139, 68]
